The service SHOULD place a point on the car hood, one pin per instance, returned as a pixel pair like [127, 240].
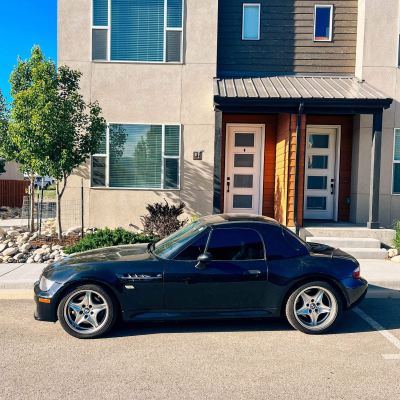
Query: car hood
[130, 252]
[100, 261]
[325, 250]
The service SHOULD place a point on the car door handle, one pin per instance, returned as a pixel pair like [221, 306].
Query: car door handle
[253, 272]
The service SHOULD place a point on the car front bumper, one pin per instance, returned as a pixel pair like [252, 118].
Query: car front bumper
[46, 303]
[355, 291]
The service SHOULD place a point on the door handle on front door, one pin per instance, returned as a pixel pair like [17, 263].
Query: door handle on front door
[228, 183]
[332, 186]
[252, 272]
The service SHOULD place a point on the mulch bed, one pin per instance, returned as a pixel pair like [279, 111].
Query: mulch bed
[64, 241]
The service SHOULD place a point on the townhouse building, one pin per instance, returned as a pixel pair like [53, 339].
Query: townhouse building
[281, 108]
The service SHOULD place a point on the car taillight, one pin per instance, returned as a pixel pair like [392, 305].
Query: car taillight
[357, 273]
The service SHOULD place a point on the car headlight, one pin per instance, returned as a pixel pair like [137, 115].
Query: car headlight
[45, 284]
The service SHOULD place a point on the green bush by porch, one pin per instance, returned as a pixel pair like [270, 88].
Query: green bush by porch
[106, 238]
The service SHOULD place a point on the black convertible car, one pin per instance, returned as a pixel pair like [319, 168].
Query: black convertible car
[221, 266]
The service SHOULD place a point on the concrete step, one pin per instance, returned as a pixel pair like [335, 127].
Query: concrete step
[362, 253]
[384, 235]
[340, 242]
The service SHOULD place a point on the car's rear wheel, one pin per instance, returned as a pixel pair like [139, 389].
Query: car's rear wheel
[87, 312]
[314, 308]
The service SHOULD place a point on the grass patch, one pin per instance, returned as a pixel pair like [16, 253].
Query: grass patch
[106, 238]
[47, 194]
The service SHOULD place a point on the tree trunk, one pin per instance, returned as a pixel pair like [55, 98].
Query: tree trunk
[58, 215]
[32, 205]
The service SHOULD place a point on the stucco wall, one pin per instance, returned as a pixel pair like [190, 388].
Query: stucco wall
[12, 172]
[377, 63]
[148, 93]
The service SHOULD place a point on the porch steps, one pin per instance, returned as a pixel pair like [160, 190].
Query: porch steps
[361, 248]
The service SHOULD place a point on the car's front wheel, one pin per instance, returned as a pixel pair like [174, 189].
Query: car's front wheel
[314, 308]
[87, 312]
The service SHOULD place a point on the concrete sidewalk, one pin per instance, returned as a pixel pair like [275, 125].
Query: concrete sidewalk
[383, 273]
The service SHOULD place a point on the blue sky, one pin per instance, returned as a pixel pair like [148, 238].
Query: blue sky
[24, 23]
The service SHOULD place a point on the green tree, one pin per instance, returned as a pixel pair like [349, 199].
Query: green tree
[75, 131]
[21, 136]
[2, 165]
[4, 114]
[51, 130]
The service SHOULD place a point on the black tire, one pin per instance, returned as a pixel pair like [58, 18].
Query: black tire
[109, 316]
[300, 322]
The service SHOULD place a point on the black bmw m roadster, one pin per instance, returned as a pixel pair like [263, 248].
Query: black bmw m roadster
[221, 266]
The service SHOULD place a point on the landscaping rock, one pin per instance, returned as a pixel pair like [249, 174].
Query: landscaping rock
[393, 253]
[18, 256]
[54, 254]
[30, 260]
[40, 250]
[2, 233]
[10, 251]
[13, 233]
[25, 247]
[3, 246]
[396, 259]
[38, 258]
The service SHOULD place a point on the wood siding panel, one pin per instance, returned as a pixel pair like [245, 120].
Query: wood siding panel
[269, 121]
[292, 164]
[286, 43]
[346, 148]
[12, 192]
[282, 165]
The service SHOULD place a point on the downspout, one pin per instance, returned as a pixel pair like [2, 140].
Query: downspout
[296, 171]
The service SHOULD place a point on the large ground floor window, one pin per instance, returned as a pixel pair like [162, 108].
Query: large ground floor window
[138, 157]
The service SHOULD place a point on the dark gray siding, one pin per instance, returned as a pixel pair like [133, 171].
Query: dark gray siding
[286, 44]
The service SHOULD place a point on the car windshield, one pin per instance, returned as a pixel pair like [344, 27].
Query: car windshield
[164, 248]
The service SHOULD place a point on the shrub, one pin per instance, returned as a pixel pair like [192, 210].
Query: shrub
[162, 219]
[107, 237]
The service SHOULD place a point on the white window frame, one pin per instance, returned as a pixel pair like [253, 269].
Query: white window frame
[330, 22]
[108, 28]
[259, 19]
[394, 161]
[163, 158]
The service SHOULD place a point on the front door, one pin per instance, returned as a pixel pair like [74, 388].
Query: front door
[243, 169]
[320, 173]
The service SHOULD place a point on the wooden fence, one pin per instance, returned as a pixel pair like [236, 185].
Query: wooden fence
[12, 192]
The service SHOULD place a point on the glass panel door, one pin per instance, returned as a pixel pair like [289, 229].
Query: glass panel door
[244, 152]
[320, 169]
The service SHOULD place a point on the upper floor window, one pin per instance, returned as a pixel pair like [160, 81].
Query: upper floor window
[396, 162]
[137, 30]
[251, 21]
[138, 157]
[323, 22]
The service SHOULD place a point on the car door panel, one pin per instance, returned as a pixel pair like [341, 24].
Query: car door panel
[234, 283]
[222, 285]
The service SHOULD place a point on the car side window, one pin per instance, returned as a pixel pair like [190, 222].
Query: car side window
[280, 243]
[196, 248]
[235, 244]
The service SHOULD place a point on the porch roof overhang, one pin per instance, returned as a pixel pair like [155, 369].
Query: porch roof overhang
[319, 95]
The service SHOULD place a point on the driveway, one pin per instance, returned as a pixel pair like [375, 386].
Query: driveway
[204, 359]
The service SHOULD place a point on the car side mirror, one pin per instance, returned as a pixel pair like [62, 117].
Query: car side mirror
[203, 259]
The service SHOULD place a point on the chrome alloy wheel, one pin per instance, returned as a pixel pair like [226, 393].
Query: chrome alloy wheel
[86, 311]
[315, 308]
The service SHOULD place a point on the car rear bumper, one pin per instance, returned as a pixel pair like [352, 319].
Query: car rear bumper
[46, 303]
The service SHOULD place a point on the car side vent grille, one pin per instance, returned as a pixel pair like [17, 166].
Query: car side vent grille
[138, 277]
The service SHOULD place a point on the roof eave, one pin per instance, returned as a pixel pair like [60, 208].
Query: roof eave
[311, 105]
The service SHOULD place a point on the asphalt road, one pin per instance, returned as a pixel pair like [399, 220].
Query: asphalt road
[244, 359]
